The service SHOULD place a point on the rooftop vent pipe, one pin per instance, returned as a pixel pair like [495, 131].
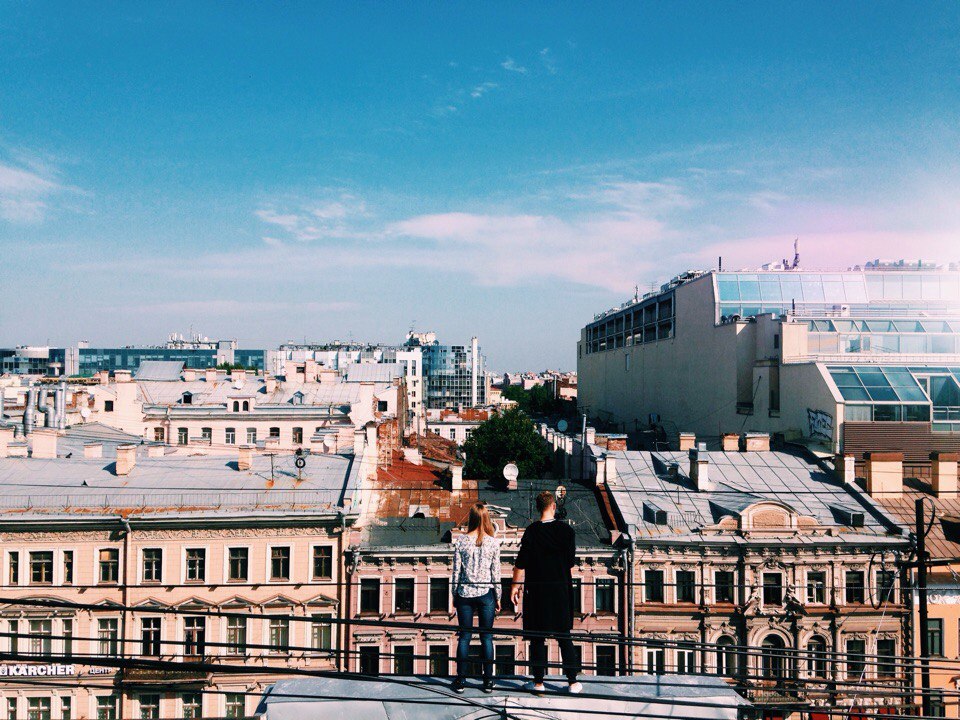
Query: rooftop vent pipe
[29, 411]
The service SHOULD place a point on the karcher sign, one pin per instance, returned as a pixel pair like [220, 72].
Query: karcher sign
[24, 670]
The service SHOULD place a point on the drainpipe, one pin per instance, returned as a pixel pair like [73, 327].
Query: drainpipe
[124, 600]
[351, 569]
[631, 599]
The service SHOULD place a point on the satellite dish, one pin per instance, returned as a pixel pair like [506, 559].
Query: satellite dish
[511, 472]
[329, 441]
[562, 426]
[84, 413]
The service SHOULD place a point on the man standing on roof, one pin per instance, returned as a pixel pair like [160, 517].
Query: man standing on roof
[542, 575]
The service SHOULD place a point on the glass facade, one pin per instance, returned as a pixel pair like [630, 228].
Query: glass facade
[646, 321]
[448, 375]
[53, 361]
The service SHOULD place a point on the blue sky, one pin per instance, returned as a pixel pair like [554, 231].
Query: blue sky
[273, 172]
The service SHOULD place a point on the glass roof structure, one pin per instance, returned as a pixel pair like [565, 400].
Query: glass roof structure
[877, 384]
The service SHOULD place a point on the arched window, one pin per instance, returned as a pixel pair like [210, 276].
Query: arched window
[246, 405]
[817, 657]
[773, 661]
[726, 656]
[236, 406]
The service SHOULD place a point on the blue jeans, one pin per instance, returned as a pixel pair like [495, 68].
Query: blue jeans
[485, 608]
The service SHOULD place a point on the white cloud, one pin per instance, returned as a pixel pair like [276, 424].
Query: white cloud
[483, 88]
[546, 59]
[24, 194]
[510, 65]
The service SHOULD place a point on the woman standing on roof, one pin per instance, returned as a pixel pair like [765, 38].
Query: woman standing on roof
[476, 591]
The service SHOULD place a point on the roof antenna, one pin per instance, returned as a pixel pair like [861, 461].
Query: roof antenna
[796, 254]
[720, 263]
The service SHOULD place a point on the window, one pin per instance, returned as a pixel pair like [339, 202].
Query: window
[854, 586]
[280, 563]
[236, 406]
[370, 595]
[152, 565]
[656, 659]
[187, 398]
[603, 595]
[403, 593]
[935, 636]
[817, 657]
[67, 624]
[439, 660]
[192, 705]
[938, 706]
[159, 435]
[772, 589]
[403, 659]
[251, 436]
[887, 657]
[237, 564]
[686, 660]
[817, 587]
[230, 436]
[723, 583]
[440, 594]
[370, 660]
[686, 586]
[856, 659]
[279, 634]
[12, 708]
[182, 436]
[150, 637]
[107, 707]
[275, 432]
[13, 563]
[773, 661]
[246, 407]
[236, 635]
[66, 708]
[13, 630]
[41, 567]
[298, 436]
[321, 636]
[382, 406]
[109, 565]
[194, 635]
[107, 636]
[453, 433]
[653, 586]
[206, 434]
[577, 596]
[235, 705]
[149, 706]
[196, 564]
[38, 708]
[885, 585]
[68, 567]
[606, 660]
[726, 656]
[41, 640]
[322, 562]
[108, 405]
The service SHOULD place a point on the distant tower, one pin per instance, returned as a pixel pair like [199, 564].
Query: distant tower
[796, 254]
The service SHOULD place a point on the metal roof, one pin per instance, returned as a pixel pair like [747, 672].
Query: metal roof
[661, 480]
[373, 372]
[159, 370]
[423, 698]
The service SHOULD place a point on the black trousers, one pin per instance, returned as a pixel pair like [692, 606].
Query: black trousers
[538, 658]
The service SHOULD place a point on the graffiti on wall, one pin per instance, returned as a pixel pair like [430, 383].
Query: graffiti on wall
[821, 424]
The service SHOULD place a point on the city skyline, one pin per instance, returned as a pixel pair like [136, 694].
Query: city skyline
[335, 173]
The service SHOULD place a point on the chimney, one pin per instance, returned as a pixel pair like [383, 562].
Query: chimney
[245, 460]
[616, 442]
[944, 473]
[700, 471]
[688, 441]
[731, 442]
[210, 375]
[6, 437]
[610, 471]
[126, 458]
[456, 478]
[17, 449]
[155, 450]
[756, 442]
[103, 377]
[591, 435]
[122, 376]
[884, 474]
[44, 443]
[270, 383]
[310, 370]
[238, 376]
[93, 449]
[846, 466]
[189, 374]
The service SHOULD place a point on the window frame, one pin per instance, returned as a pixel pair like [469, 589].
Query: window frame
[313, 560]
[185, 570]
[271, 577]
[143, 566]
[98, 564]
[413, 594]
[227, 564]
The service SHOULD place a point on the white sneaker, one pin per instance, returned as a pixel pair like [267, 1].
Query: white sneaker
[533, 687]
[575, 688]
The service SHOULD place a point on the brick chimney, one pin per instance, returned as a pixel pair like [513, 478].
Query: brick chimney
[884, 474]
[700, 471]
[17, 449]
[122, 376]
[730, 442]
[270, 384]
[245, 460]
[155, 450]
[310, 370]
[846, 466]
[44, 443]
[238, 376]
[456, 478]
[756, 442]
[210, 375]
[126, 458]
[93, 449]
[6, 437]
[688, 441]
[591, 436]
[189, 374]
[610, 471]
[943, 468]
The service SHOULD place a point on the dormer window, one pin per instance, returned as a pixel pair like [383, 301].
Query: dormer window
[297, 398]
[187, 398]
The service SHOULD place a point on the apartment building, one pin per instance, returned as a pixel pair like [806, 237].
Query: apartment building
[455, 375]
[454, 425]
[400, 561]
[849, 361]
[165, 561]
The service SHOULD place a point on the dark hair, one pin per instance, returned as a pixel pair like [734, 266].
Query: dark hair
[545, 500]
